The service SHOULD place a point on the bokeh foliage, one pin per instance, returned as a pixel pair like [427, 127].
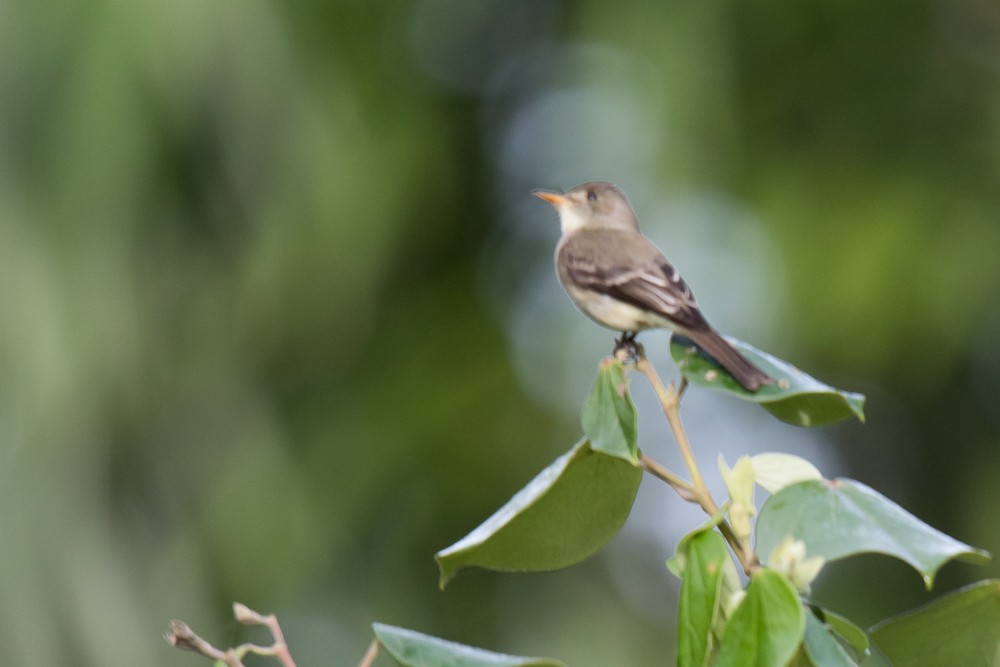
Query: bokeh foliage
[245, 351]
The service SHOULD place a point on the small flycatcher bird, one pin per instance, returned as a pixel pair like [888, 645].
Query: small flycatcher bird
[618, 278]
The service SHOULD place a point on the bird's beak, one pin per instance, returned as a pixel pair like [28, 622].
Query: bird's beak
[553, 198]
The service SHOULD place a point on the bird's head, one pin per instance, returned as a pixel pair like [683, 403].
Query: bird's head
[593, 205]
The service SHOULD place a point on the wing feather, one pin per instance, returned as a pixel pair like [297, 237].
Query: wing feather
[649, 283]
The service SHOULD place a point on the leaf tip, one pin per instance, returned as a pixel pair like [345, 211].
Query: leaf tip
[856, 402]
[446, 571]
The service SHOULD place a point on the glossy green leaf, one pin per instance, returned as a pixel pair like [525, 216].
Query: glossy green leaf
[565, 514]
[706, 559]
[767, 627]
[609, 416]
[843, 517]
[414, 649]
[961, 628]
[822, 647]
[794, 397]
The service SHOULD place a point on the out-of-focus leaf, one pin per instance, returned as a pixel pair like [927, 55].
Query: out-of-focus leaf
[846, 629]
[609, 416]
[415, 649]
[961, 628]
[705, 561]
[875, 658]
[843, 517]
[565, 514]
[774, 471]
[767, 628]
[793, 397]
[678, 561]
[822, 647]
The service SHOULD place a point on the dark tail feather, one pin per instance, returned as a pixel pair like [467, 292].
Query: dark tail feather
[743, 371]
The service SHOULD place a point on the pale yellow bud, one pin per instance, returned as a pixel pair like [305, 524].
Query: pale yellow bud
[789, 558]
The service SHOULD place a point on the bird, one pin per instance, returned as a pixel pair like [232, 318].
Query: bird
[621, 280]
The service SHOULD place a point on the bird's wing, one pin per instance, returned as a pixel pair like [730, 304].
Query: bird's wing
[640, 276]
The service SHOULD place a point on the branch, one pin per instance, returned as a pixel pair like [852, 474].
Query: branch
[670, 403]
[279, 649]
[681, 486]
[696, 490]
[368, 659]
[183, 637]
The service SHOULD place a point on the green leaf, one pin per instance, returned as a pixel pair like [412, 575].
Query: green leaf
[845, 629]
[609, 416]
[766, 628]
[565, 514]
[678, 562]
[794, 397]
[961, 628]
[706, 558]
[843, 517]
[414, 649]
[875, 658]
[822, 647]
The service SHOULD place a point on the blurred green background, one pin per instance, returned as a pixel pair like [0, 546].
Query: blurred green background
[278, 319]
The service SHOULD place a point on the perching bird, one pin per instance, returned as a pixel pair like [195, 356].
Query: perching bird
[618, 278]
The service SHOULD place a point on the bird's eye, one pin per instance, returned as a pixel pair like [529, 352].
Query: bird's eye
[591, 195]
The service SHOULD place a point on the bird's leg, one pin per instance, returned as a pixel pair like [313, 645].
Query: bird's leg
[629, 345]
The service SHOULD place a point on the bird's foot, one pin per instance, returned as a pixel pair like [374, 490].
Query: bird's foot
[628, 348]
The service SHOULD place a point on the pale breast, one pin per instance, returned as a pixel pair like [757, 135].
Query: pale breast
[612, 313]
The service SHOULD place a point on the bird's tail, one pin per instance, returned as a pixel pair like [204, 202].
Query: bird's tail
[742, 369]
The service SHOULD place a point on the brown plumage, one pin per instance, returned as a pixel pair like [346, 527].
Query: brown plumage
[618, 278]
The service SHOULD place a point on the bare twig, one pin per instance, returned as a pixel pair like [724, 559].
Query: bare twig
[669, 403]
[696, 490]
[183, 637]
[369, 657]
[279, 649]
[681, 486]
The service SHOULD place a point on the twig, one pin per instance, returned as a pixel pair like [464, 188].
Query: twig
[182, 636]
[279, 649]
[696, 490]
[669, 403]
[369, 657]
[681, 486]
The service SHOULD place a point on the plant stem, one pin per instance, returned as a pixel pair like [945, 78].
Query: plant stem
[279, 649]
[369, 657]
[681, 486]
[182, 636]
[670, 402]
[696, 490]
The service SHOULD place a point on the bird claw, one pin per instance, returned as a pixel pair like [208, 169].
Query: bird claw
[628, 348]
